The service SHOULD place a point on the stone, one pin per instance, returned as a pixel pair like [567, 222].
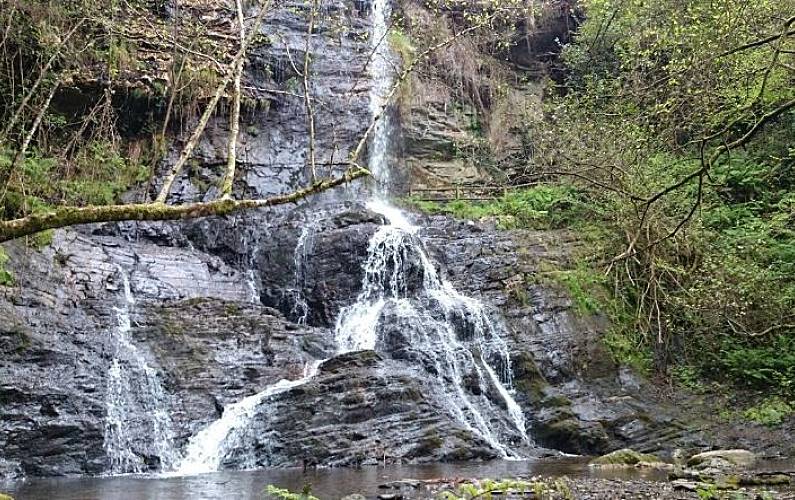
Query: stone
[354, 496]
[625, 456]
[739, 458]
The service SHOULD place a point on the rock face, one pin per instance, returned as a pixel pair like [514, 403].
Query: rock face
[201, 324]
[219, 309]
[360, 410]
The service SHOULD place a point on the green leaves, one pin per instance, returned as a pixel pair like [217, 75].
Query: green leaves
[275, 492]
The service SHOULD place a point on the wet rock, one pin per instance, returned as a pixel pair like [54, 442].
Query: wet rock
[739, 458]
[330, 419]
[625, 456]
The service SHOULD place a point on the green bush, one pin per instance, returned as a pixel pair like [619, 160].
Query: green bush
[543, 206]
[770, 412]
[6, 278]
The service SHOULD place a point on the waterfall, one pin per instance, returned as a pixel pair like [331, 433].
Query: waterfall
[137, 409]
[207, 449]
[299, 308]
[381, 72]
[450, 333]
[251, 284]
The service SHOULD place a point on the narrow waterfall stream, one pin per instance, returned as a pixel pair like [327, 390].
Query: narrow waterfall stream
[206, 449]
[138, 414]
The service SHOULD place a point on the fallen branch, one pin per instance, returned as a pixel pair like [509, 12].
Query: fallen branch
[69, 216]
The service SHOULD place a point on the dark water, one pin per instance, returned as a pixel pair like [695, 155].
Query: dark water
[326, 483]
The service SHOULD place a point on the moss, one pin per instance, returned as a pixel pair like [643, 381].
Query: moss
[624, 456]
[428, 443]
[528, 379]
[6, 276]
[231, 309]
[41, 239]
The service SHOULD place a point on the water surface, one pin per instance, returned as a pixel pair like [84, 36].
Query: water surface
[326, 483]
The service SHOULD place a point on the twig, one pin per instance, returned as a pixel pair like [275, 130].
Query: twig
[310, 114]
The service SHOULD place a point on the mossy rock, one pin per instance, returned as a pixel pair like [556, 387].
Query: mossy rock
[625, 456]
[740, 458]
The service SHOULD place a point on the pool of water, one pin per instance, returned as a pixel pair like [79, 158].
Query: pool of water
[326, 483]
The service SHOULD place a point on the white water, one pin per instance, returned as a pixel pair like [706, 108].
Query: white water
[207, 449]
[427, 316]
[251, 284]
[137, 418]
[431, 312]
[381, 71]
[299, 308]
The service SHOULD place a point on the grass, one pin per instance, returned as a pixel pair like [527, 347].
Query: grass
[539, 207]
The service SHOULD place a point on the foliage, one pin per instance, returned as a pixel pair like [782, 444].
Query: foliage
[97, 175]
[707, 491]
[770, 412]
[488, 488]
[763, 364]
[695, 234]
[543, 206]
[6, 278]
[285, 494]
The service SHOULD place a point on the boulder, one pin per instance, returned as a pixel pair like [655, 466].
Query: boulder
[738, 458]
[626, 457]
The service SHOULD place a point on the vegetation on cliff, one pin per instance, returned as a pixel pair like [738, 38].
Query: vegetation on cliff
[93, 94]
[667, 143]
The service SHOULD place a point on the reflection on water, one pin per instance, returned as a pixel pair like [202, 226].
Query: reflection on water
[326, 483]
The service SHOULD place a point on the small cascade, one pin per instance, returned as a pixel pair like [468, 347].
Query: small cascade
[251, 284]
[381, 70]
[299, 308]
[207, 449]
[451, 334]
[137, 407]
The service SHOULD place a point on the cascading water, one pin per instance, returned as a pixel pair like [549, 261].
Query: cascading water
[207, 449]
[138, 419]
[381, 71]
[299, 307]
[450, 334]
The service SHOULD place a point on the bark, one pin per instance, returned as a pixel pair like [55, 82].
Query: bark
[234, 118]
[70, 216]
[310, 114]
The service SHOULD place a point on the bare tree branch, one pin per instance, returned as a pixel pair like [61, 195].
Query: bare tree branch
[44, 71]
[310, 114]
[70, 216]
